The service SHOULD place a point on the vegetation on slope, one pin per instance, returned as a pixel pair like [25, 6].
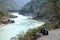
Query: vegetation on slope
[50, 14]
[31, 32]
[4, 16]
[46, 9]
[2, 12]
[32, 7]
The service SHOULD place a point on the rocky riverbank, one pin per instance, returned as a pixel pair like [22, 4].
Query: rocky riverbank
[7, 20]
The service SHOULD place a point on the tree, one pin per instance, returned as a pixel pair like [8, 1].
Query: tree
[54, 5]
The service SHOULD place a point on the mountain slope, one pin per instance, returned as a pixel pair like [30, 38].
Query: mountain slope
[32, 7]
[9, 5]
[47, 10]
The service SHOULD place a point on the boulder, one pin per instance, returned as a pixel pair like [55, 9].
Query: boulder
[12, 21]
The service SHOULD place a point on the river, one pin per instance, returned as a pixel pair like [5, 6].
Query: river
[22, 23]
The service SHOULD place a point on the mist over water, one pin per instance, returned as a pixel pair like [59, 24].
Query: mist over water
[22, 24]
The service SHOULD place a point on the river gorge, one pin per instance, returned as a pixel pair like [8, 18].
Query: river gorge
[22, 24]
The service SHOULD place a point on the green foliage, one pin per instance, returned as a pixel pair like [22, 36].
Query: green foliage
[54, 1]
[1, 13]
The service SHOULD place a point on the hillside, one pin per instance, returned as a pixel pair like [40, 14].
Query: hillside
[46, 10]
[32, 7]
[4, 16]
[9, 5]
